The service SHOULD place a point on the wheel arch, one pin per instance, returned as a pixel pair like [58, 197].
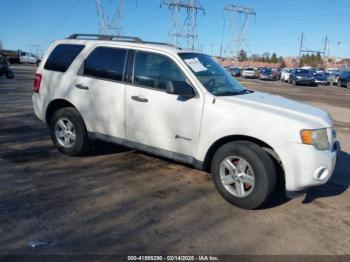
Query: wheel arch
[55, 105]
[217, 144]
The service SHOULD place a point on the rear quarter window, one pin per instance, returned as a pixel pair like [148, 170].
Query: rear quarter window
[62, 57]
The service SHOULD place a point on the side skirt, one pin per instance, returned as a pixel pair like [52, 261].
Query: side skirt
[184, 159]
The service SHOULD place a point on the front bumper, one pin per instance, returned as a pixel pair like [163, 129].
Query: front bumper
[304, 82]
[264, 77]
[305, 167]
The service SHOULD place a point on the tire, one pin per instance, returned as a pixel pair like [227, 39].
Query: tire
[259, 166]
[10, 74]
[81, 143]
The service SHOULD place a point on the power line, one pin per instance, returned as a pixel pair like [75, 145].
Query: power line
[110, 25]
[190, 31]
[239, 24]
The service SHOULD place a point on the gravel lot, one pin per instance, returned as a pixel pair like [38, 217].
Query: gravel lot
[119, 201]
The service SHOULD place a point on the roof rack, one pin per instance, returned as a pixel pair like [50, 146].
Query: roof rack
[115, 38]
[106, 37]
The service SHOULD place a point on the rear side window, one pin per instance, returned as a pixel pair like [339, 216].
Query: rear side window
[62, 57]
[106, 62]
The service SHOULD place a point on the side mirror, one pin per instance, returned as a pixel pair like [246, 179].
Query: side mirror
[180, 88]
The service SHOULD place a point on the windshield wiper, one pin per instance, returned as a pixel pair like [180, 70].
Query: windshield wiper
[234, 93]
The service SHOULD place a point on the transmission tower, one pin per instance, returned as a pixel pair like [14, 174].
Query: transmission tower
[239, 25]
[188, 29]
[110, 25]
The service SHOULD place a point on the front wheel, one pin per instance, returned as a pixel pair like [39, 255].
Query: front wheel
[244, 174]
[68, 132]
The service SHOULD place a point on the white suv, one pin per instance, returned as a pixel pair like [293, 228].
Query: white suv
[184, 106]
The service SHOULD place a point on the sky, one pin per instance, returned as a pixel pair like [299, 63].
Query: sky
[277, 26]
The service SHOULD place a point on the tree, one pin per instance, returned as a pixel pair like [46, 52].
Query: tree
[282, 62]
[274, 58]
[265, 57]
[255, 57]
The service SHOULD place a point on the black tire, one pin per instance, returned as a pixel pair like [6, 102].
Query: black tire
[10, 74]
[262, 166]
[82, 143]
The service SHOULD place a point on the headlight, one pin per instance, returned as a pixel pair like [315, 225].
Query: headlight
[317, 137]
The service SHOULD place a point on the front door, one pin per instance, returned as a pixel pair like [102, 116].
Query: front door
[156, 118]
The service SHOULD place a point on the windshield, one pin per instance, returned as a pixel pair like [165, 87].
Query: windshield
[213, 77]
[266, 71]
[302, 72]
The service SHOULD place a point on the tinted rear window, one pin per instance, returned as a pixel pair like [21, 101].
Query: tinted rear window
[105, 62]
[62, 57]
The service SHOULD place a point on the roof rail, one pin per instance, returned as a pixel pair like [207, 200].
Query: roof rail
[115, 38]
[105, 37]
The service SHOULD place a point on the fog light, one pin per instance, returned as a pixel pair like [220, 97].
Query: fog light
[320, 173]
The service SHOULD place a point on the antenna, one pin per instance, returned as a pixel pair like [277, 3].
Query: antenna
[239, 24]
[190, 32]
[110, 25]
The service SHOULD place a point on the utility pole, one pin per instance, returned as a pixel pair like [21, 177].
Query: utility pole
[325, 47]
[190, 32]
[222, 37]
[301, 44]
[110, 25]
[239, 24]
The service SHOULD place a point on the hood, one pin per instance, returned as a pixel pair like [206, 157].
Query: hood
[284, 107]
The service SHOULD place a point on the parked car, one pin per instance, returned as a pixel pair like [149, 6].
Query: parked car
[299, 76]
[332, 77]
[285, 74]
[321, 79]
[277, 73]
[235, 71]
[344, 79]
[249, 72]
[266, 74]
[28, 58]
[184, 106]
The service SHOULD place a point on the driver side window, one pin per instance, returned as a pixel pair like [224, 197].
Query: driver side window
[154, 71]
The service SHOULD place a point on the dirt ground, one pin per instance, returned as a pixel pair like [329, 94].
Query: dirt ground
[119, 201]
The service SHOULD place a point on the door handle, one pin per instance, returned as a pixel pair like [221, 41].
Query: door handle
[139, 99]
[80, 86]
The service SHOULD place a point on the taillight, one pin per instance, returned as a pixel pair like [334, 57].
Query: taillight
[37, 83]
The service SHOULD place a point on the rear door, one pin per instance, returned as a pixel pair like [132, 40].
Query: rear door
[99, 91]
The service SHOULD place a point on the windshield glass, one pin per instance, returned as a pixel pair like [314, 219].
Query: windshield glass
[213, 77]
[303, 71]
[266, 71]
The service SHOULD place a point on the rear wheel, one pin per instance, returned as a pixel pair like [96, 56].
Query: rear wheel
[244, 174]
[68, 132]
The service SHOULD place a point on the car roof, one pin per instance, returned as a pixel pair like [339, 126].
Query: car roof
[121, 41]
